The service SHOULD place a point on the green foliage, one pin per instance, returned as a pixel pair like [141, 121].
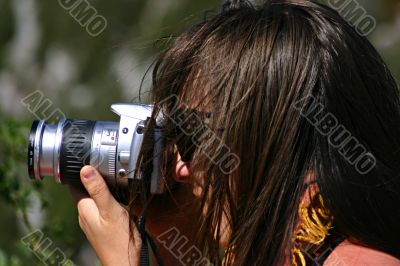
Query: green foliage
[6, 260]
[15, 188]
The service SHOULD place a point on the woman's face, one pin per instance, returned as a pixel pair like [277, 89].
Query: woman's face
[182, 175]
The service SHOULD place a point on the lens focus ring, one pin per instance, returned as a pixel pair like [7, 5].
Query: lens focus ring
[75, 149]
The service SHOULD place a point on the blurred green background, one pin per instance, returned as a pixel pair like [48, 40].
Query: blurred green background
[42, 47]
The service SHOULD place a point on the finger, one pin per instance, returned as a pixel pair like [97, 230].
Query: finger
[87, 212]
[98, 191]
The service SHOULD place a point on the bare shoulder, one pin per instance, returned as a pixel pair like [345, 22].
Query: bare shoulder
[348, 254]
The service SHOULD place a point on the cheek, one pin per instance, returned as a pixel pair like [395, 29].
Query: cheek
[225, 231]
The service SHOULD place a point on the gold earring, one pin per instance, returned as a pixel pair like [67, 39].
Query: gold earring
[315, 222]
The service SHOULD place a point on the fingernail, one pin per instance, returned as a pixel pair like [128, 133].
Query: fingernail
[89, 173]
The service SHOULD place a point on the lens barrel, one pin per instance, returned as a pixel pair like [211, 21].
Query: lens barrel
[59, 150]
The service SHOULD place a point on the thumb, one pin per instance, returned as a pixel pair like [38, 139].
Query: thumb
[97, 189]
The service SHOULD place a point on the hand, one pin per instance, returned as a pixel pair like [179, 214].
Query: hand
[105, 222]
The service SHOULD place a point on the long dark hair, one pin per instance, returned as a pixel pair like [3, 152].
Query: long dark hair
[260, 72]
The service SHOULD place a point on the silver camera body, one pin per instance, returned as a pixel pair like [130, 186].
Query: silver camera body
[112, 148]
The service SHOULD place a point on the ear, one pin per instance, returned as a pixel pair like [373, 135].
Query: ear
[181, 173]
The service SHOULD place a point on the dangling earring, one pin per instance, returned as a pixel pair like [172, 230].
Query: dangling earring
[315, 222]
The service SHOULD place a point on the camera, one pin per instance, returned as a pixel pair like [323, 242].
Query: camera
[113, 148]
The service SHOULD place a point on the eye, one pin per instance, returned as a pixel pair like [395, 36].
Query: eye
[190, 125]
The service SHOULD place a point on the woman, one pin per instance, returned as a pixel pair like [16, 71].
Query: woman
[312, 113]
